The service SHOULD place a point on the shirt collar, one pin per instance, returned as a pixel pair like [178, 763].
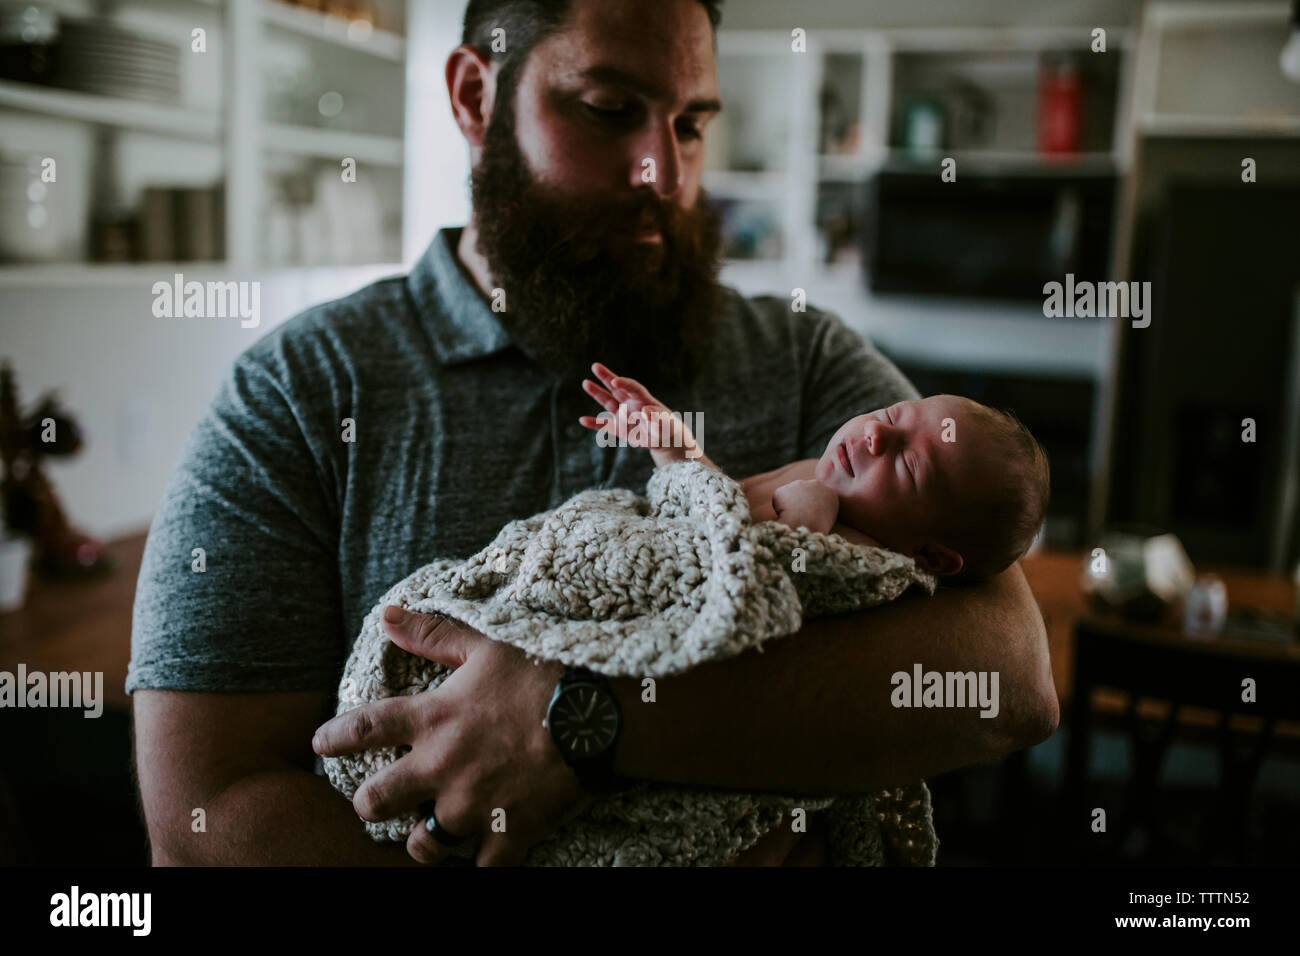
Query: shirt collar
[463, 325]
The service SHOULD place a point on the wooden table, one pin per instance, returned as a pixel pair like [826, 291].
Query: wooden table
[1054, 579]
[78, 625]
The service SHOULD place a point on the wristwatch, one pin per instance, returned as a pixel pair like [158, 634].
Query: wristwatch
[584, 721]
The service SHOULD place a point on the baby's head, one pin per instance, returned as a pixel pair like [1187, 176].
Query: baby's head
[958, 486]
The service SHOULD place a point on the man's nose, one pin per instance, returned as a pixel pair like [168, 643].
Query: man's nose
[659, 162]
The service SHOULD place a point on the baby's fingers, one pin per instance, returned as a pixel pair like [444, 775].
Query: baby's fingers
[626, 390]
[629, 389]
[607, 401]
[604, 374]
[607, 425]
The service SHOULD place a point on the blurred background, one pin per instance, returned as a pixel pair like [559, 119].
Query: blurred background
[1109, 140]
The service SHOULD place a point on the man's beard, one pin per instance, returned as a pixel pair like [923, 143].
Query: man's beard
[578, 287]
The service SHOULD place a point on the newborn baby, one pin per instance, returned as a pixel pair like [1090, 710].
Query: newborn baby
[957, 486]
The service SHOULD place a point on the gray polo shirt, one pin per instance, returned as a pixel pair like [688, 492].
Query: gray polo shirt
[370, 435]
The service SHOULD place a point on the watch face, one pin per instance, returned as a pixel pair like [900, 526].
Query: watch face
[583, 721]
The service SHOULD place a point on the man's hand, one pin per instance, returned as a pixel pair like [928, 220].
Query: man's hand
[477, 745]
[637, 418]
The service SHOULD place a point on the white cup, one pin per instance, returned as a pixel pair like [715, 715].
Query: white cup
[15, 553]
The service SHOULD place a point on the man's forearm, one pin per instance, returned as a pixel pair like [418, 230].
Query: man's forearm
[278, 817]
[812, 713]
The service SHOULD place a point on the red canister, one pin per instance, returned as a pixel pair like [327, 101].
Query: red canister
[1060, 107]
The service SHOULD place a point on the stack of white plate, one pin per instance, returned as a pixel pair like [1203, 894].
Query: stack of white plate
[97, 56]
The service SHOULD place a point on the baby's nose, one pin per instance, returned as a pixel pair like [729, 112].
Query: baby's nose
[877, 438]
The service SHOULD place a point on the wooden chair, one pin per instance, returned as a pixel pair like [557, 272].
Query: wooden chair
[1152, 665]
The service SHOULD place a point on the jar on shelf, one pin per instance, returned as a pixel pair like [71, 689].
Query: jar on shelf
[32, 220]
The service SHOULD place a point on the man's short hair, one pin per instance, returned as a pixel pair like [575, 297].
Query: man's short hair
[526, 23]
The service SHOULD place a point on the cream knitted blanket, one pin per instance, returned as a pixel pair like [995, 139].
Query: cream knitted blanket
[633, 586]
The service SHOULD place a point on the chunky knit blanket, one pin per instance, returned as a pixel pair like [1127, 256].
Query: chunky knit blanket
[634, 586]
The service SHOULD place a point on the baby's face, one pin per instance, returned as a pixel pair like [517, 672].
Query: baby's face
[898, 480]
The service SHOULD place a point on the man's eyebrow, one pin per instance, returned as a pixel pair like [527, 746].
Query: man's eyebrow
[618, 77]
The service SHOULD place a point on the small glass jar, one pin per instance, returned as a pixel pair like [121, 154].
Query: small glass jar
[1205, 609]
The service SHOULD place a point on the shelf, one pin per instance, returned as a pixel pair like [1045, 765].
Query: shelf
[849, 168]
[110, 111]
[997, 161]
[101, 274]
[332, 144]
[1177, 124]
[994, 39]
[938, 331]
[144, 274]
[352, 35]
[842, 168]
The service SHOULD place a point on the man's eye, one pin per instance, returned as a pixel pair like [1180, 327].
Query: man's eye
[600, 112]
[689, 131]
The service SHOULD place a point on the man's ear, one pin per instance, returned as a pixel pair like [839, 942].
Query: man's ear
[471, 85]
[940, 560]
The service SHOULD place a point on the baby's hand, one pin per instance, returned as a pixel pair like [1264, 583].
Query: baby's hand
[638, 419]
[806, 504]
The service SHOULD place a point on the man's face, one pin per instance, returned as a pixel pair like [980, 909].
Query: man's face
[587, 195]
[621, 96]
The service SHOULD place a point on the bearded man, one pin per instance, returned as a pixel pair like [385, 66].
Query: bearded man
[590, 228]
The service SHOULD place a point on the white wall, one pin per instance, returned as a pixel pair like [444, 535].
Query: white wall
[137, 384]
[437, 160]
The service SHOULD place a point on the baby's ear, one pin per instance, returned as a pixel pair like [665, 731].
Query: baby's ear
[940, 560]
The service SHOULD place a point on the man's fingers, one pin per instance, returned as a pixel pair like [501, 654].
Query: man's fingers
[453, 820]
[430, 636]
[499, 849]
[383, 723]
[399, 787]
[421, 847]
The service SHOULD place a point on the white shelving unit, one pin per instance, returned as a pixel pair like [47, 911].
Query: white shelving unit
[934, 331]
[247, 143]
[104, 275]
[1245, 98]
[1217, 127]
[331, 144]
[358, 35]
[107, 111]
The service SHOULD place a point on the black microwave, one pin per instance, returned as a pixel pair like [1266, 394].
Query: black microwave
[996, 236]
